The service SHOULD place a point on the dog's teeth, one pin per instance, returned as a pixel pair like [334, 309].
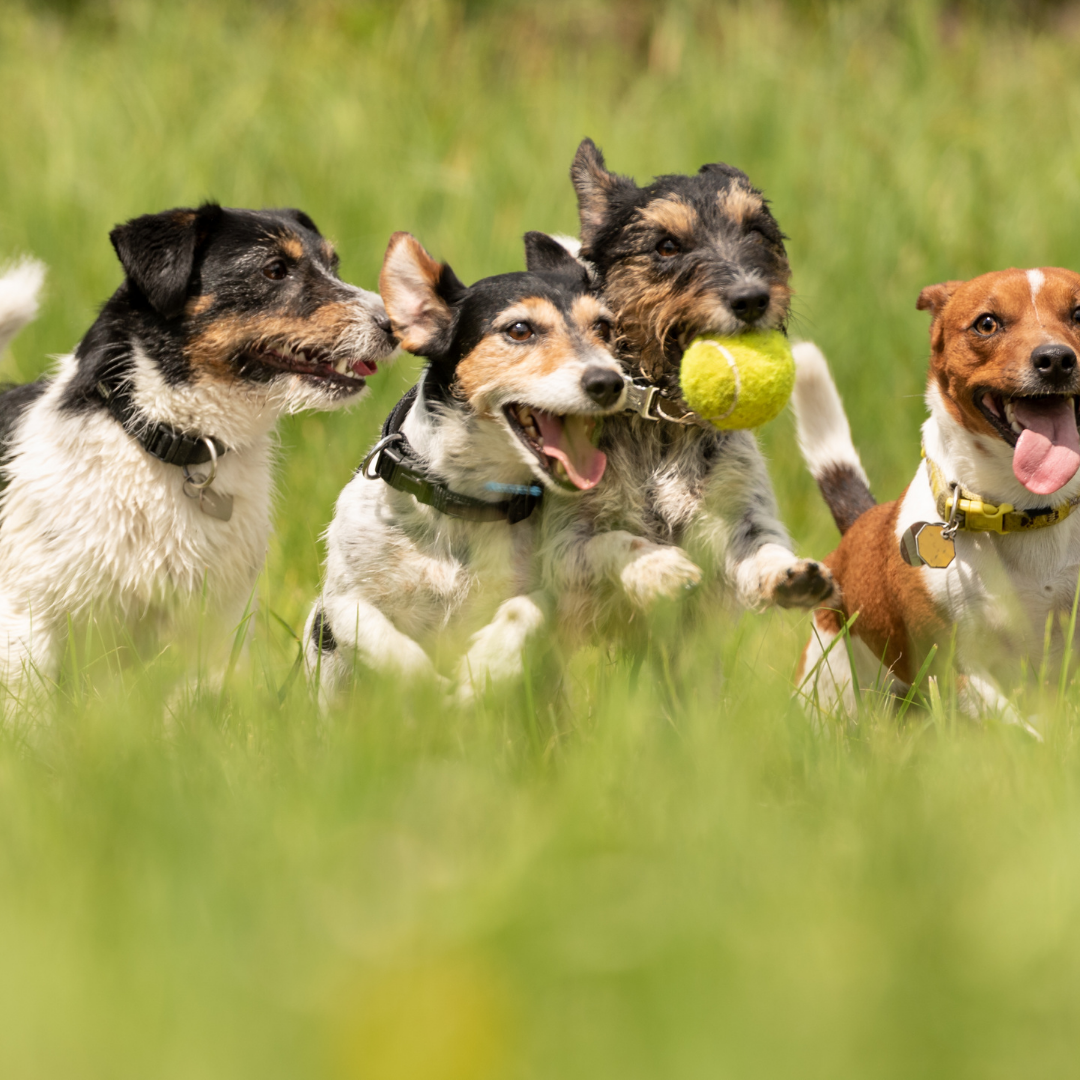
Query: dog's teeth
[342, 366]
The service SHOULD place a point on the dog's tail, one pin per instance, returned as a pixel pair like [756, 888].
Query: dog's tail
[825, 438]
[20, 286]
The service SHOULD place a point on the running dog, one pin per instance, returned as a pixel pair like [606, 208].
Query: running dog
[137, 478]
[446, 523]
[983, 542]
[685, 256]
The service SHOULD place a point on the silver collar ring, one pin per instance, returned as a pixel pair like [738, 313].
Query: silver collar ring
[206, 481]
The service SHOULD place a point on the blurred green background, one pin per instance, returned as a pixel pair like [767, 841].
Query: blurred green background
[623, 872]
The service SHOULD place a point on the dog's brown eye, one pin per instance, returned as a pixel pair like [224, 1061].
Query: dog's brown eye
[986, 325]
[275, 270]
[603, 330]
[667, 247]
[520, 331]
[1076, 314]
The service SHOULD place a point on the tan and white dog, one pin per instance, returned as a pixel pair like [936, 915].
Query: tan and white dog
[983, 541]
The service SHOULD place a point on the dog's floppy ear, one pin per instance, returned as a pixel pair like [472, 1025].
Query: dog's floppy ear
[157, 252]
[933, 299]
[419, 294]
[594, 186]
[301, 219]
[546, 255]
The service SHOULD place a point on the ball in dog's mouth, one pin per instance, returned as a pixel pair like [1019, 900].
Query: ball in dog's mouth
[563, 445]
[315, 364]
[1044, 431]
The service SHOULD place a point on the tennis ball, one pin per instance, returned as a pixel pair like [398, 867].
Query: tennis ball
[738, 382]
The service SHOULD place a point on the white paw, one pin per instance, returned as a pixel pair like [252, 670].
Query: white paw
[657, 572]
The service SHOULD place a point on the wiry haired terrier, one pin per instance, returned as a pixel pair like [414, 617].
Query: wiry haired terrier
[686, 256]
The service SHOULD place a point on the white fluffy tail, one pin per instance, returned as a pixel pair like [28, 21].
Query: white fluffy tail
[825, 437]
[20, 287]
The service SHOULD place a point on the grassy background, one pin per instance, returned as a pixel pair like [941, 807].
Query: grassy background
[652, 874]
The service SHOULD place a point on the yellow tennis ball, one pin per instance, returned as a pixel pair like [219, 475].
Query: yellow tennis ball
[738, 382]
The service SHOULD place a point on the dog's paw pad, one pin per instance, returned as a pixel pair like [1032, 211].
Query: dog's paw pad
[806, 584]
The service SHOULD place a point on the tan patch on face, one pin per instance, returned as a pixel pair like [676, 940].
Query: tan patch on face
[210, 352]
[585, 313]
[962, 361]
[650, 309]
[497, 363]
[739, 203]
[198, 304]
[292, 246]
[672, 215]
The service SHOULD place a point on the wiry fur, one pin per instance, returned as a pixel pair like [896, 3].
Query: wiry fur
[705, 490]
[90, 522]
[404, 581]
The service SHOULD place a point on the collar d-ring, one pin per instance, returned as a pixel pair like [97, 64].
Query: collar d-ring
[206, 481]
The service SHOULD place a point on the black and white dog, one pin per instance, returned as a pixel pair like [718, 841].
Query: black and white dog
[137, 478]
[445, 525]
[685, 256]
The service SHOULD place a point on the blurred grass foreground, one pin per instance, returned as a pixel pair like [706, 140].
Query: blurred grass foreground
[637, 873]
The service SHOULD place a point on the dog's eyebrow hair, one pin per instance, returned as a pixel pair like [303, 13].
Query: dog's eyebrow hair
[739, 203]
[291, 244]
[670, 213]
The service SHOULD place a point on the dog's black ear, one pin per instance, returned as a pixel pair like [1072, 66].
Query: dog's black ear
[419, 294]
[594, 186]
[157, 252]
[545, 255]
[301, 219]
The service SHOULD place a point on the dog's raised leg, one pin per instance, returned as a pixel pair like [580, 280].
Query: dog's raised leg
[496, 652]
[739, 531]
[360, 632]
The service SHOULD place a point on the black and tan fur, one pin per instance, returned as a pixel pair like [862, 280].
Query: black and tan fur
[685, 256]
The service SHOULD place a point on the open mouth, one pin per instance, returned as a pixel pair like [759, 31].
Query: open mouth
[315, 364]
[563, 445]
[1043, 431]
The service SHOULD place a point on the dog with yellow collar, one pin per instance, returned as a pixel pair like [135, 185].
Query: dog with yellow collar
[984, 540]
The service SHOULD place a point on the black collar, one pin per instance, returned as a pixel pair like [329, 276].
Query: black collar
[159, 440]
[398, 464]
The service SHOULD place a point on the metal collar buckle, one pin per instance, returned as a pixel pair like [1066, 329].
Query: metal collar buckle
[646, 401]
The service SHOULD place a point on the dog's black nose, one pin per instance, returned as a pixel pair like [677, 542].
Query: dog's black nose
[384, 325]
[1055, 363]
[603, 385]
[749, 302]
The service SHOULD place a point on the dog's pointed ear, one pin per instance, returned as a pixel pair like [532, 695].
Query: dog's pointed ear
[157, 252]
[546, 255]
[933, 299]
[594, 186]
[419, 294]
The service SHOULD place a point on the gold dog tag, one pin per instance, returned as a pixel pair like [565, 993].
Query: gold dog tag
[924, 545]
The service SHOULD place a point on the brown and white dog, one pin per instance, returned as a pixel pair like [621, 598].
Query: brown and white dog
[1002, 445]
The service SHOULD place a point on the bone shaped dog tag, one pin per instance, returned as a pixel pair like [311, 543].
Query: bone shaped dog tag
[924, 545]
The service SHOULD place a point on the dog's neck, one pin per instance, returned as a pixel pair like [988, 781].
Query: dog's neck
[467, 452]
[981, 463]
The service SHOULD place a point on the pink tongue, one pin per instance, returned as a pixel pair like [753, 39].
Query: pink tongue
[1047, 454]
[566, 438]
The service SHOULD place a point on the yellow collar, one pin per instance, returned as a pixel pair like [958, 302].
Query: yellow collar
[975, 515]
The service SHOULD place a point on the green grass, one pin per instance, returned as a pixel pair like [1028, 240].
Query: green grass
[630, 873]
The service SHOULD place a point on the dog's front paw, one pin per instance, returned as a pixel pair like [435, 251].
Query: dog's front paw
[656, 572]
[805, 584]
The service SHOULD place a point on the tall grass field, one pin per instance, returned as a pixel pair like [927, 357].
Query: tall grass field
[627, 869]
